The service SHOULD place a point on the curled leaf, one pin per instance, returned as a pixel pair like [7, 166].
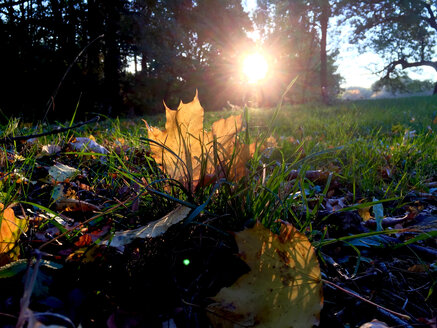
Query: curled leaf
[88, 144]
[151, 230]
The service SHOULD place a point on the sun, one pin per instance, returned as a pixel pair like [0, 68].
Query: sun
[255, 67]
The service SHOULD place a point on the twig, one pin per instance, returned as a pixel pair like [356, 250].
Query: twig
[340, 270]
[8, 315]
[352, 293]
[5, 140]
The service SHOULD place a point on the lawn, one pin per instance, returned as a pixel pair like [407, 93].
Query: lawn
[114, 240]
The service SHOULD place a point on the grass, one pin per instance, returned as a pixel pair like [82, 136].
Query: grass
[369, 145]
[374, 151]
[374, 136]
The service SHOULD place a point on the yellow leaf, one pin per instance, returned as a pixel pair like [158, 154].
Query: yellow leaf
[215, 152]
[10, 230]
[283, 288]
[365, 213]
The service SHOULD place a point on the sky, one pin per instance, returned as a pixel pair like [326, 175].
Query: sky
[357, 69]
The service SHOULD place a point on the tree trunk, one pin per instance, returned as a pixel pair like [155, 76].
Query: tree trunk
[111, 66]
[324, 18]
[308, 68]
[435, 89]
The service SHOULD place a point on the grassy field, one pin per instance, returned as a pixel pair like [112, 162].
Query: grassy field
[375, 156]
[389, 146]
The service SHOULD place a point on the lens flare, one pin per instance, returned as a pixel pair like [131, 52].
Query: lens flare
[255, 67]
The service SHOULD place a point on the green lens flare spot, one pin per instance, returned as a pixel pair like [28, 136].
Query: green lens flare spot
[186, 262]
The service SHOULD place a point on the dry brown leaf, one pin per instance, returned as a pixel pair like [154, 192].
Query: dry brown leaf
[10, 230]
[66, 201]
[283, 288]
[418, 268]
[84, 240]
[216, 152]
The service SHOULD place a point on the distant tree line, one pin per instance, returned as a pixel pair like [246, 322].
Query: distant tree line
[126, 56]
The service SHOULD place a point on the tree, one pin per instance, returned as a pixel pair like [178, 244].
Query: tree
[403, 32]
[184, 45]
[325, 13]
[179, 45]
[402, 84]
[296, 32]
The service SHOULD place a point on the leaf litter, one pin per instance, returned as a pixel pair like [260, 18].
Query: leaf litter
[116, 250]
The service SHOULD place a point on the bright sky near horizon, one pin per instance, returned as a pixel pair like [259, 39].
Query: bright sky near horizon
[358, 69]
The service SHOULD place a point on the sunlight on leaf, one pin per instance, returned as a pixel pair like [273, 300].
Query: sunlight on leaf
[283, 288]
[215, 152]
[61, 172]
[10, 231]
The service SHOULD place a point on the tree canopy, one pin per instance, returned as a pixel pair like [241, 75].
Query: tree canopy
[403, 32]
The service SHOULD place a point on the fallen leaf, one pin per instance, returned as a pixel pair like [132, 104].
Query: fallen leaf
[204, 153]
[283, 288]
[335, 204]
[418, 268]
[60, 172]
[88, 144]
[75, 205]
[10, 230]
[374, 324]
[365, 213]
[84, 240]
[151, 230]
[65, 203]
[312, 175]
[50, 149]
